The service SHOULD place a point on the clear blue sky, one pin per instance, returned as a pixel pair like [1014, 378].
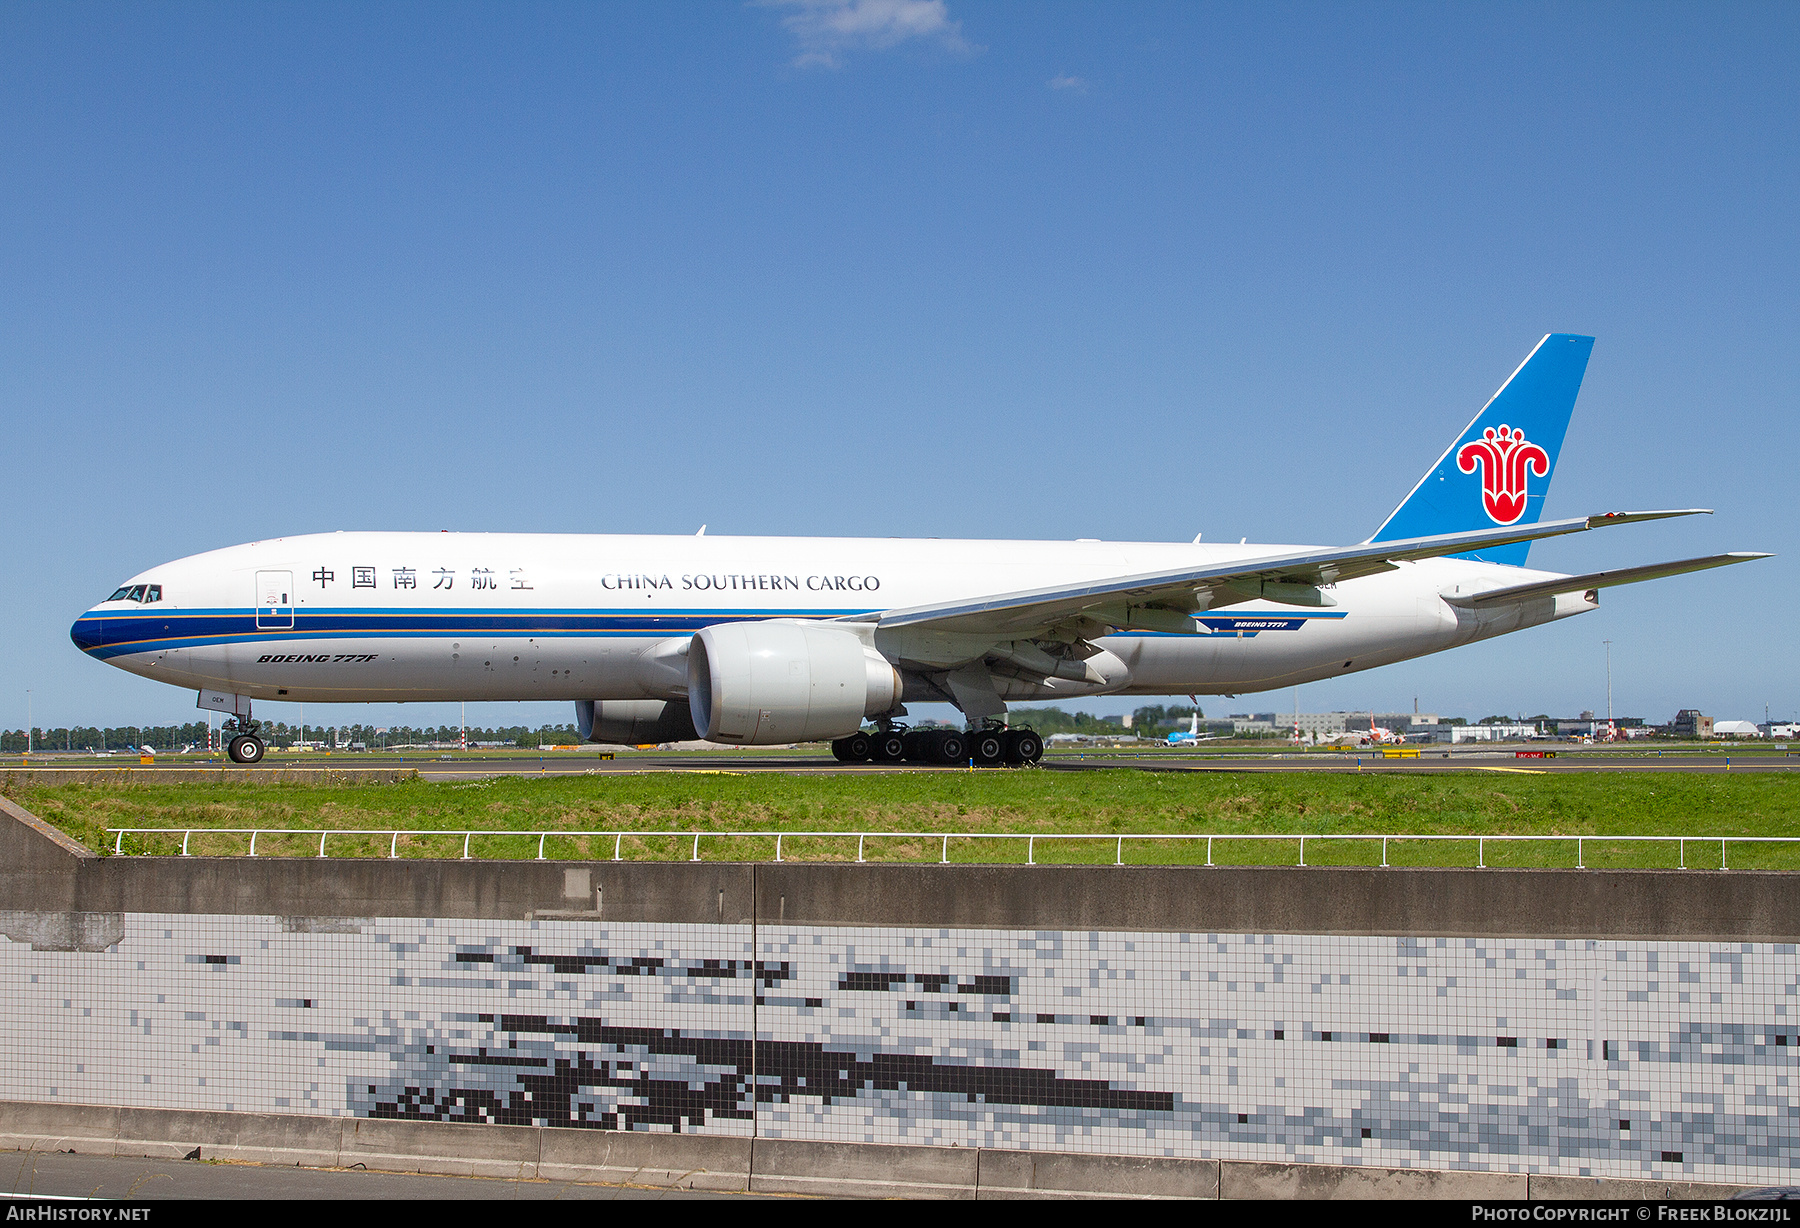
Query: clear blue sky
[944, 269]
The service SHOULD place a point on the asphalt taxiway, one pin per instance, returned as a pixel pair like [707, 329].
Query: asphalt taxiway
[731, 762]
[1100, 761]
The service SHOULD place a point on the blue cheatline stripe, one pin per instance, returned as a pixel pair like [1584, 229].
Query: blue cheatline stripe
[107, 636]
[289, 637]
[475, 611]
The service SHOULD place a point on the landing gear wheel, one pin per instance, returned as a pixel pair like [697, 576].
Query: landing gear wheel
[986, 745]
[949, 748]
[854, 749]
[934, 746]
[887, 747]
[1023, 746]
[245, 748]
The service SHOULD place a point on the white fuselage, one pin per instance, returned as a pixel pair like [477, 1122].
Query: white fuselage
[360, 617]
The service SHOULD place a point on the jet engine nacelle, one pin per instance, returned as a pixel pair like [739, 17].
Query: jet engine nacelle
[763, 683]
[634, 722]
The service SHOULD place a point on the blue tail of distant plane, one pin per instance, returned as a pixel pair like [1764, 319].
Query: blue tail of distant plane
[1497, 471]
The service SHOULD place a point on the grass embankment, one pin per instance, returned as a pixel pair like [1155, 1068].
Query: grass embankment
[1104, 803]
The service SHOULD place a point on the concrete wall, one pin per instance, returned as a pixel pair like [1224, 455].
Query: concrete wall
[1690, 904]
[1423, 967]
[40, 868]
[752, 1164]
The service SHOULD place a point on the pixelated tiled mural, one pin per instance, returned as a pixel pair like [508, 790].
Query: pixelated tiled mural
[1607, 1058]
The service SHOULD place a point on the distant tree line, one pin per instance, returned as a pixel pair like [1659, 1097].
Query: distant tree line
[1154, 721]
[169, 738]
[92, 738]
[1160, 721]
[377, 737]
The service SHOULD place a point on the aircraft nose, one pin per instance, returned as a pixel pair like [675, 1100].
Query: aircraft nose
[86, 632]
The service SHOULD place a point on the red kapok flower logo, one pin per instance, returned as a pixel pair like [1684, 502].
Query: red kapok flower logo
[1505, 460]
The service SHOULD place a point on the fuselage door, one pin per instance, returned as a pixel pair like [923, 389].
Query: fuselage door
[274, 601]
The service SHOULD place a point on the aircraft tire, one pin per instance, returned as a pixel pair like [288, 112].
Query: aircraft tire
[858, 747]
[840, 749]
[245, 748]
[918, 746]
[887, 747]
[949, 747]
[986, 745]
[1023, 746]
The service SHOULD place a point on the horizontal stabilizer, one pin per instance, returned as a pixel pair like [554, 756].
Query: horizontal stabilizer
[1599, 579]
[1114, 600]
[1611, 518]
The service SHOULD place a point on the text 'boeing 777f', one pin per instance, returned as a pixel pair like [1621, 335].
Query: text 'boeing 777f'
[760, 641]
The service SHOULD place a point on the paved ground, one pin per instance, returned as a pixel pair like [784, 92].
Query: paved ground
[1440, 761]
[1154, 761]
[1580, 759]
[76, 1176]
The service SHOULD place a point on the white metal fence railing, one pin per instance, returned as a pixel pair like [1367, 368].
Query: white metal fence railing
[944, 839]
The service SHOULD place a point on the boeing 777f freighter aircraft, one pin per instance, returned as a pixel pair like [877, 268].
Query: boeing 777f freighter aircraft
[762, 640]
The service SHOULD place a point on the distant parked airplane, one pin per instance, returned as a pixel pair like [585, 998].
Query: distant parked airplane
[757, 641]
[1184, 737]
[1374, 735]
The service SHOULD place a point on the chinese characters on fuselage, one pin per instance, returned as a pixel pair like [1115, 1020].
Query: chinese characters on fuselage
[477, 579]
[487, 579]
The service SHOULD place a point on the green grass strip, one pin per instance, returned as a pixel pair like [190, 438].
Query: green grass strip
[1100, 803]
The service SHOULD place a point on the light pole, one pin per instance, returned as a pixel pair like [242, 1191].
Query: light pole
[27, 720]
[1609, 714]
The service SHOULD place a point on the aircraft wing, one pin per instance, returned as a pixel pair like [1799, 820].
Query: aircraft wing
[1166, 600]
[1599, 579]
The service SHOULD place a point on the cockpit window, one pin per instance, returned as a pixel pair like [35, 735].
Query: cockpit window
[155, 594]
[136, 594]
[121, 595]
[143, 594]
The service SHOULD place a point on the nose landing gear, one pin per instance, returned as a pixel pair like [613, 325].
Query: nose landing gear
[246, 746]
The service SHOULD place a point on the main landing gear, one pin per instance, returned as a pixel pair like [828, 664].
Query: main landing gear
[943, 746]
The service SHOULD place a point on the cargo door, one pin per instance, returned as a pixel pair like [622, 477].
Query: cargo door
[274, 601]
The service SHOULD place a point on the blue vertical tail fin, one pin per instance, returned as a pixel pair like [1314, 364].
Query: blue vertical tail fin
[1498, 470]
